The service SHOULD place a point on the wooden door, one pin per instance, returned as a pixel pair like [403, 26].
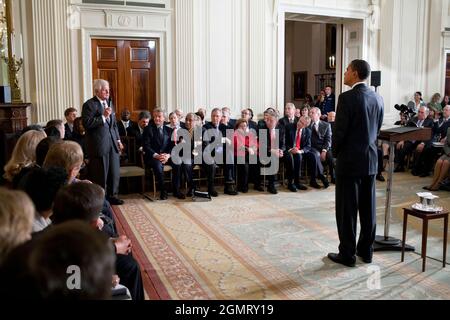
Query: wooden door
[130, 68]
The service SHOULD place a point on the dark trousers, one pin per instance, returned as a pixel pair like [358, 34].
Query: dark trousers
[269, 178]
[187, 171]
[105, 171]
[293, 163]
[319, 169]
[158, 171]
[229, 174]
[407, 149]
[242, 176]
[380, 161]
[130, 276]
[355, 194]
[315, 166]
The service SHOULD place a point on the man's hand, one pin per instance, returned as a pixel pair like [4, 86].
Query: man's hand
[120, 145]
[123, 245]
[165, 158]
[294, 151]
[420, 147]
[400, 145]
[107, 113]
[323, 156]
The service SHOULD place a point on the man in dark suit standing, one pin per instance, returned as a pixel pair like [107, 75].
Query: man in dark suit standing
[158, 145]
[358, 122]
[103, 141]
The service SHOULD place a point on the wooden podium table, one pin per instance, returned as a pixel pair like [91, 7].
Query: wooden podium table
[392, 136]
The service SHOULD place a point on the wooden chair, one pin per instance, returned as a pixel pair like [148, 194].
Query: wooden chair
[134, 166]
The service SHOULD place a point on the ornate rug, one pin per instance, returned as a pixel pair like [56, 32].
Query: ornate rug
[260, 246]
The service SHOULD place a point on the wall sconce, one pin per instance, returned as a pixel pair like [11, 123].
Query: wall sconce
[332, 62]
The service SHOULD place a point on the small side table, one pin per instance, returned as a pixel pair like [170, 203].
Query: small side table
[425, 216]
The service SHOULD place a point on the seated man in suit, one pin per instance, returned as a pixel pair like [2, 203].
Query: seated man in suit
[405, 148]
[226, 118]
[298, 144]
[214, 130]
[158, 145]
[321, 147]
[289, 116]
[125, 122]
[274, 148]
[136, 130]
[70, 114]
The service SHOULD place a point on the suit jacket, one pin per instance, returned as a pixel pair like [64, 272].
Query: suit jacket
[329, 104]
[358, 122]
[134, 131]
[281, 138]
[209, 140]
[284, 122]
[152, 144]
[321, 140]
[440, 129]
[122, 130]
[305, 143]
[427, 123]
[68, 133]
[100, 136]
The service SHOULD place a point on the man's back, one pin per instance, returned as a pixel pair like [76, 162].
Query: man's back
[358, 122]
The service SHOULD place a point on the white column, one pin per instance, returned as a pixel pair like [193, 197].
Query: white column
[52, 54]
[184, 50]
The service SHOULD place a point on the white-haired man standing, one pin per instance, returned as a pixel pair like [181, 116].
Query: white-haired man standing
[103, 143]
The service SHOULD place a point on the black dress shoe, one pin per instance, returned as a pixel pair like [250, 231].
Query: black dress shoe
[333, 180]
[230, 190]
[292, 188]
[300, 186]
[213, 193]
[272, 190]
[325, 182]
[315, 185]
[116, 201]
[163, 196]
[380, 178]
[337, 258]
[399, 169]
[259, 188]
[189, 193]
[180, 196]
[365, 259]
[424, 175]
[415, 173]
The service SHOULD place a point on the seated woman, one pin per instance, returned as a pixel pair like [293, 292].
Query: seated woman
[442, 166]
[245, 146]
[23, 156]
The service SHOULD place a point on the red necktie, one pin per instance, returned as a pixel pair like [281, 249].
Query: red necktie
[273, 137]
[299, 139]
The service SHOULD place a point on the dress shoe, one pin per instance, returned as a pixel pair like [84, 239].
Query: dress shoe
[213, 193]
[315, 185]
[163, 196]
[180, 196]
[333, 180]
[272, 190]
[380, 178]
[259, 188]
[415, 173]
[230, 189]
[325, 182]
[424, 175]
[337, 258]
[399, 169]
[115, 201]
[189, 193]
[365, 259]
[292, 188]
[300, 186]
[427, 188]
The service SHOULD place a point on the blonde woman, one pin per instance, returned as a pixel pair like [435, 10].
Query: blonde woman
[23, 155]
[16, 220]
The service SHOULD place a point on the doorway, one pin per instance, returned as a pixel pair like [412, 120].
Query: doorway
[317, 48]
[130, 66]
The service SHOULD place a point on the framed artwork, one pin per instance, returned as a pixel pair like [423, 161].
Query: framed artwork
[300, 83]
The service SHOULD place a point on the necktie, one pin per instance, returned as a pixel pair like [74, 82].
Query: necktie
[299, 139]
[104, 107]
[175, 138]
[273, 137]
[160, 134]
[420, 123]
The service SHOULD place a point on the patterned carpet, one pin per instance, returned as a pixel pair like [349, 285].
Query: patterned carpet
[259, 246]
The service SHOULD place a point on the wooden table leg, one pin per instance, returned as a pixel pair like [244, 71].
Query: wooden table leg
[424, 243]
[445, 240]
[405, 224]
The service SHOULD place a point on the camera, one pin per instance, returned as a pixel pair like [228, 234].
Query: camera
[405, 113]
